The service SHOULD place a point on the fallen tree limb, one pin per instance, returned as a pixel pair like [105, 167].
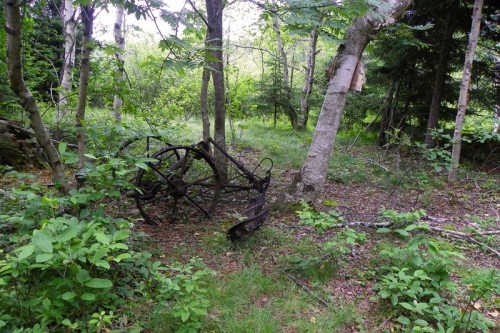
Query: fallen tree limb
[26, 133]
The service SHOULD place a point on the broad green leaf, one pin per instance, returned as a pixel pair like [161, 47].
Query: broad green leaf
[121, 235]
[122, 256]
[43, 242]
[404, 320]
[68, 295]
[102, 238]
[402, 232]
[43, 257]
[141, 165]
[26, 251]
[383, 230]
[103, 264]
[184, 316]
[69, 233]
[99, 283]
[88, 296]
[62, 147]
[72, 160]
[421, 322]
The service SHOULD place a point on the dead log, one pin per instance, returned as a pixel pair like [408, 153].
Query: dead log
[18, 146]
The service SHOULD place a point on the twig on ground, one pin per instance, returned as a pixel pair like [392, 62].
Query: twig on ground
[306, 288]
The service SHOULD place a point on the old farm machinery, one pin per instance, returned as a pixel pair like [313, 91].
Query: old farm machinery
[182, 184]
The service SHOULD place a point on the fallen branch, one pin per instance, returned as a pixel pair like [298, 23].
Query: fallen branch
[26, 132]
[306, 288]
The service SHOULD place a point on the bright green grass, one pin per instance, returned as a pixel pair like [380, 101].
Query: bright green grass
[252, 301]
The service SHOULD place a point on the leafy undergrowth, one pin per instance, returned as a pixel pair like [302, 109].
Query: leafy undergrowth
[376, 253]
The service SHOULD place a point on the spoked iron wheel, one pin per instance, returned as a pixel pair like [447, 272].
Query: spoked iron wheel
[137, 147]
[182, 186]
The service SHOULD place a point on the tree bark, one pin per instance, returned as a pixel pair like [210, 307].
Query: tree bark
[309, 81]
[214, 17]
[439, 80]
[291, 113]
[309, 182]
[464, 90]
[88, 27]
[205, 80]
[26, 99]
[69, 31]
[119, 34]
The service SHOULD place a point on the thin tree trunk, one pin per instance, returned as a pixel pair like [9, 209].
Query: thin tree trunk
[309, 81]
[292, 114]
[439, 80]
[214, 17]
[464, 90]
[88, 26]
[205, 79]
[309, 182]
[69, 31]
[26, 99]
[119, 34]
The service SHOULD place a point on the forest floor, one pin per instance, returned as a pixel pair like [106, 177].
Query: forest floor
[282, 280]
[287, 252]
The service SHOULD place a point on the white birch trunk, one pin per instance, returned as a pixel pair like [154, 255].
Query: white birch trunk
[309, 80]
[69, 30]
[88, 28]
[309, 182]
[463, 97]
[119, 34]
[292, 114]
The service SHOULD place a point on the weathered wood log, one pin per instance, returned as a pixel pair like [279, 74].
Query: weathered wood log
[18, 146]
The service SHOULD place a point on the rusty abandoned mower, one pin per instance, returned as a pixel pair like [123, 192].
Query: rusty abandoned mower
[182, 184]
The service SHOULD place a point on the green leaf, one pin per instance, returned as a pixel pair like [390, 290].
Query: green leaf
[62, 148]
[43, 257]
[88, 296]
[43, 242]
[122, 256]
[404, 320]
[102, 238]
[184, 316]
[92, 157]
[68, 295]
[407, 306]
[46, 303]
[72, 160]
[421, 322]
[402, 232]
[121, 235]
[69, 233]
[103, 264]
[99, 283]
[27, 250]
[383, 230]
[141, 165]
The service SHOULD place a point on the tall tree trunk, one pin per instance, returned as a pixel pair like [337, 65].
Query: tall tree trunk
[88, 27]
[442, 69]
[205, 118]
[464, 90]
[308, 81]
[119, 34]
[214, 17]
[26, 99]
[290, 110]
[309, 182]
[69, 31]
